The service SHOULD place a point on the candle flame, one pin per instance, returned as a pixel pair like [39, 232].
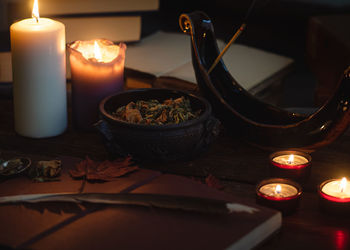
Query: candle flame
[35, 12]
[97, 52]
[278, 189]
[343, 183]
[290, 159]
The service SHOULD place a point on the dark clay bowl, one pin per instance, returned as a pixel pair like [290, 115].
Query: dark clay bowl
[156, 142]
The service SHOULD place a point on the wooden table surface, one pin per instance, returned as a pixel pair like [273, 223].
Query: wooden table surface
[238, 166]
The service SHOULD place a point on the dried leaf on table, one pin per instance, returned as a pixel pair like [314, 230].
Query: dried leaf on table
[196, 179]
[213, 182]
[82, 167]
[210, 181]
[104, 171]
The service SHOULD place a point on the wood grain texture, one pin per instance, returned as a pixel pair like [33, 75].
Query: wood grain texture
[239, 167]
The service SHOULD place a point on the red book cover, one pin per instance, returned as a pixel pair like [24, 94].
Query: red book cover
[95, 226]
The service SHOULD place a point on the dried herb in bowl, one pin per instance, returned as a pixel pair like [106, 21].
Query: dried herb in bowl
[152, 112]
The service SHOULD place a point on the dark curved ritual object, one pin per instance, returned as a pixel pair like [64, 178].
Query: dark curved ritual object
[260, 123]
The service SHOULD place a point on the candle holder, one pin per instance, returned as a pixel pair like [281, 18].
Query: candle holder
[297, 169]
[97, 70]
[285, 200]
[333, 203]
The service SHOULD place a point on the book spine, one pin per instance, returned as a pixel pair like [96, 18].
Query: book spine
[117, 29]
[50, 8]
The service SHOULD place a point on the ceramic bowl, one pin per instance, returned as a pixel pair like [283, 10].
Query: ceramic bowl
[168, 142]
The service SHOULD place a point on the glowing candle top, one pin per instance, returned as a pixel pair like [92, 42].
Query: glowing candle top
[291, 159]
[337, 188]
[99, 50]
[278, 190]
[36, 23]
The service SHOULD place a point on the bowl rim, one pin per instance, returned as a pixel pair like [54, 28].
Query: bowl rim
[203, 116]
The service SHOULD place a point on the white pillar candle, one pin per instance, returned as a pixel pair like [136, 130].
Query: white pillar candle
[39, 77]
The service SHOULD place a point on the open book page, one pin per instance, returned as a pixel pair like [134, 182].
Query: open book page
[159, 53]
[251, 66]
[169, 54]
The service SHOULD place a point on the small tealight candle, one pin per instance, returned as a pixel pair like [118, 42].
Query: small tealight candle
[294, 165]
[335, 195]
[97, 69]
[277, 191]
[290, 160]
[280, 194]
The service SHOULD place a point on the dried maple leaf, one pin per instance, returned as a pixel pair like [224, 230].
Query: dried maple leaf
[213, 182]
[104, 171]
[80, 169]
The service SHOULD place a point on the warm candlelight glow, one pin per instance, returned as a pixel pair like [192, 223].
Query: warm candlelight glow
[97, 68]
[343, 183]
[278, 193]
[39, 74]
[278, 189]
[97, 52]
[290, 159]
[339, 188]
[35, 12]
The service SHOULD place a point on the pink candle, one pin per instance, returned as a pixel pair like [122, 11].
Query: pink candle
[97, 70]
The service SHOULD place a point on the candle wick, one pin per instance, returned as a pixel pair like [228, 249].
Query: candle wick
[36, 18]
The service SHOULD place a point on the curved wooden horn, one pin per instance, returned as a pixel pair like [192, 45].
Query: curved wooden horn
[243, 114]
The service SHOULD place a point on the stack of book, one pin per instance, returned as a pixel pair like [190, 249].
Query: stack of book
[115, 20]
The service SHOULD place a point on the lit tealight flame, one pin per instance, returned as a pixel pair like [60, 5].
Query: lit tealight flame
[343, 183]
[290, 159]
[35, 12]
[97, 52]
[278, 189]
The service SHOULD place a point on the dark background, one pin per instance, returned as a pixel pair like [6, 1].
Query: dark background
[275, 25]
[278, 26]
